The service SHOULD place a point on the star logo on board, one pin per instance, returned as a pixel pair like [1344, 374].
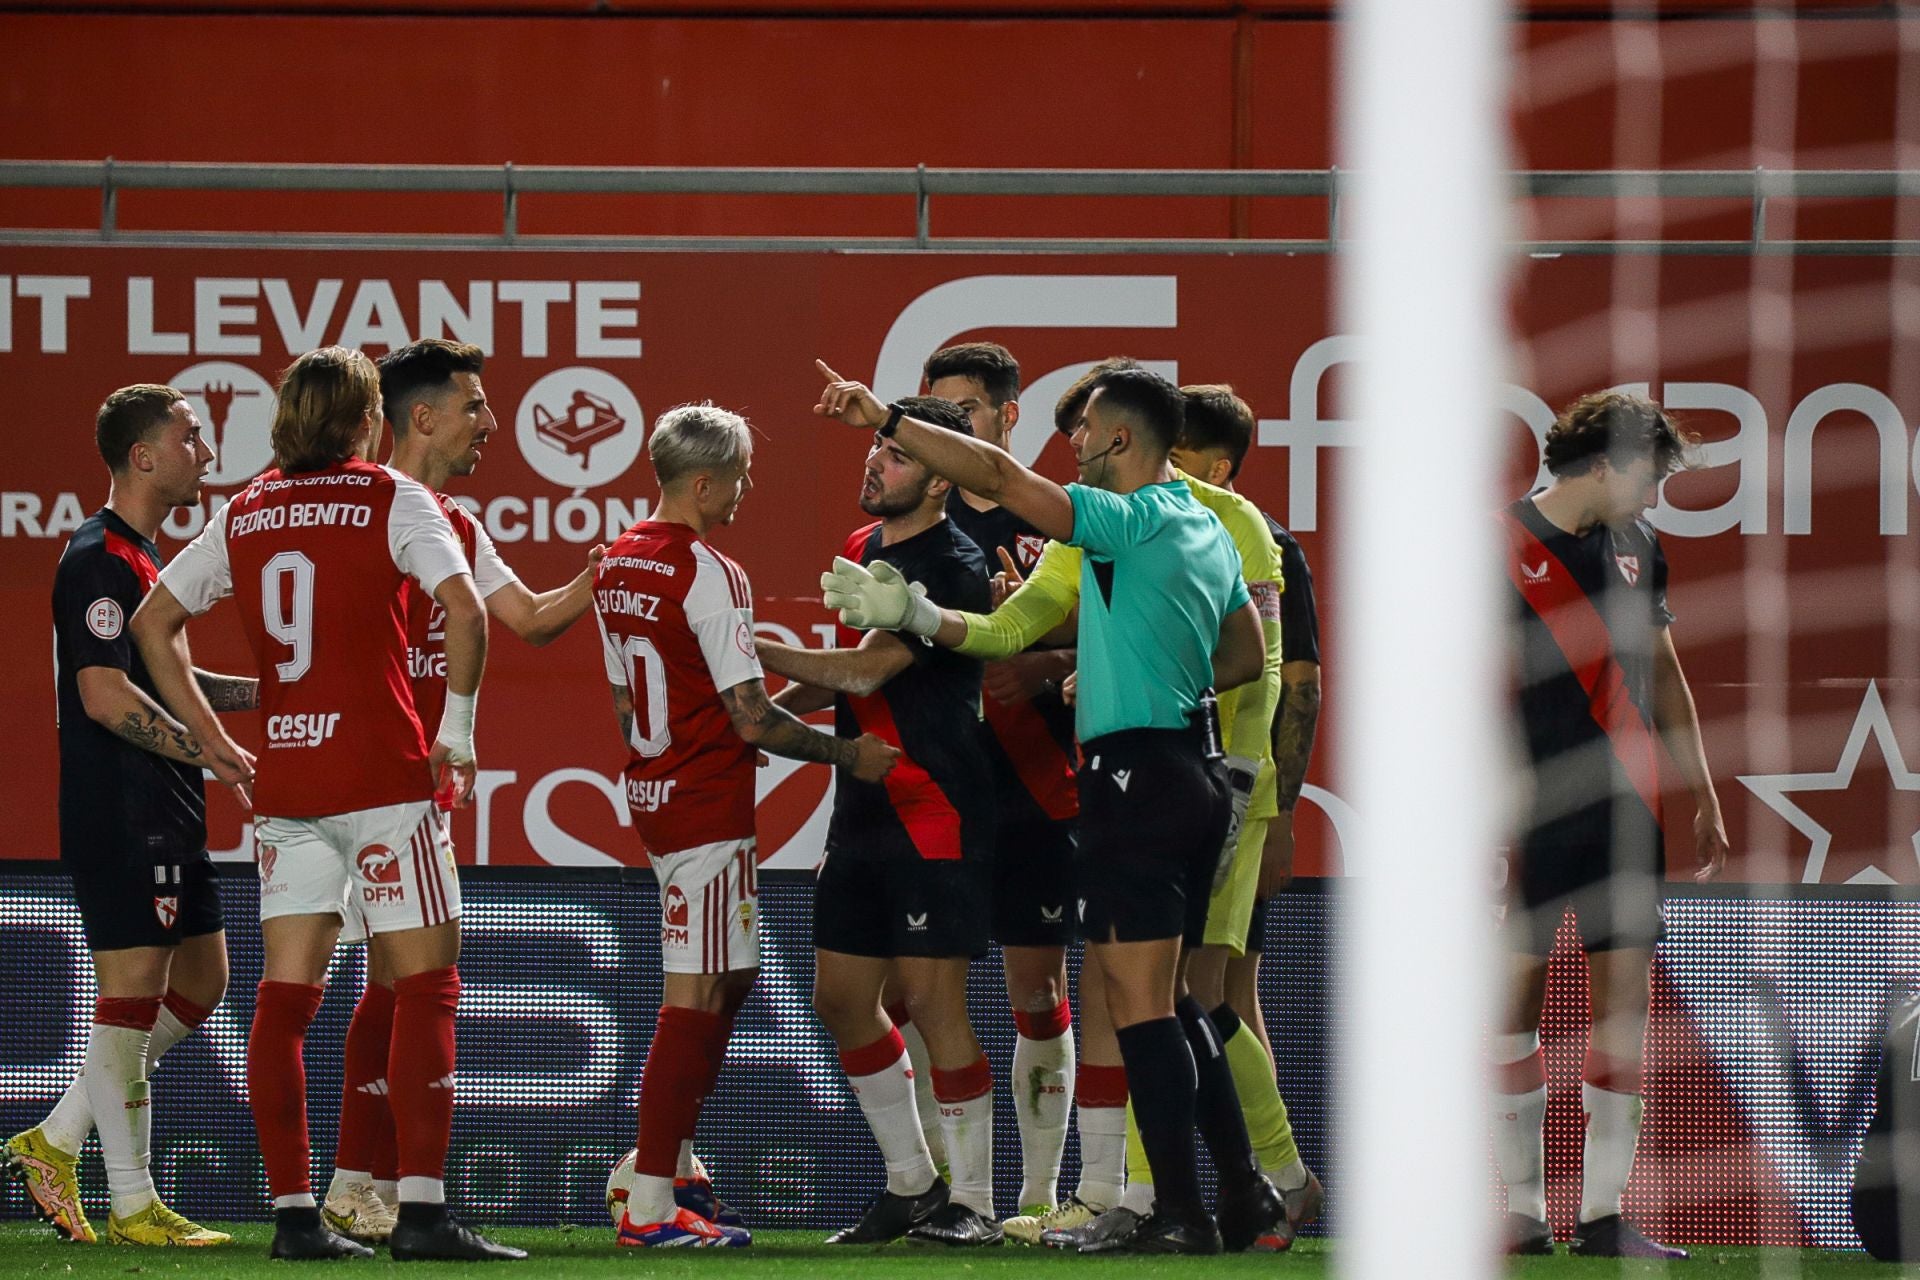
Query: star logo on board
[1862, 824]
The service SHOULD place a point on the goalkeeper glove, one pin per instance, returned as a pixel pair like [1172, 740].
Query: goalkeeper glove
[878, 599]
[1241, 773]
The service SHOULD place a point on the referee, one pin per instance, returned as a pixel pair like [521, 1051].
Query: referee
[1164, 615]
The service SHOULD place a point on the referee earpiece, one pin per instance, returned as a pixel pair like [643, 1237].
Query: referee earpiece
[1116, 443]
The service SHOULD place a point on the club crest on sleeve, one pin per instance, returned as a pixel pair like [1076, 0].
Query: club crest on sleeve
[105, 619]
[1629, 568]
[1028, 547]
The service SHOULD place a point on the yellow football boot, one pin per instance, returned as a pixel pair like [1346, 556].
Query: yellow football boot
[158, 1225]
[52, 1181]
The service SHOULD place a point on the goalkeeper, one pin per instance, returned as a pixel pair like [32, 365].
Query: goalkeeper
[1165, 613]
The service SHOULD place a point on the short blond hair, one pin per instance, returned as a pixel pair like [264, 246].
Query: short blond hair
[691, 438]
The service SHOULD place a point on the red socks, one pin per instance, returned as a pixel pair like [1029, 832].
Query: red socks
[367, 1142]
[1100, 1086]
[420, 1070]
[277, 1082]
[683, 1063]
[1050, 1025]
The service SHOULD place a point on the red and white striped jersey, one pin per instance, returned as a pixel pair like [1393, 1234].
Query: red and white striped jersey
[676, 624]
[427, 621]
[317, 562]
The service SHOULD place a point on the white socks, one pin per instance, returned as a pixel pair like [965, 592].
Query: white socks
[1519, 1122]
[1042, 1096]
[1613, 1131]
[879, 1076]
[71, 1119]
[116, 1086]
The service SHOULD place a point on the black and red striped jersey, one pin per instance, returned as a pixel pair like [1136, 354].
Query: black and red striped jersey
[940, 793]
[1586, 613]
[1030, 744]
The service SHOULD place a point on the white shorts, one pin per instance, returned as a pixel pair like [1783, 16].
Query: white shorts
[379, 870]
[709, 907]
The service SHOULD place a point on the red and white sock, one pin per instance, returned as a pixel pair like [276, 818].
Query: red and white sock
[882, 1080]
[1519, 1122]
[366, 1114]
[1042, 1097]
[1610, 1095]
[1100, 1115]
[922, 1062]
[116, 1078]
[277, 1087]
[420, 1080]
[966, 1120]
[71, 1119]
[682, 1065]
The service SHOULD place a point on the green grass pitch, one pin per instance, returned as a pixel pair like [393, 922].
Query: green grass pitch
[28, 1249]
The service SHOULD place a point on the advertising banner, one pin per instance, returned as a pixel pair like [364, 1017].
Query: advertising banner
[1792, 556]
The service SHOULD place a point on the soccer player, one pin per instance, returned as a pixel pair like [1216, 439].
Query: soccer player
[1214, 440]
[133, 828]
[1164, 615]
[317, 551]
[1029, 741]
[432, 398]
[676, 618]
[906, 885]
[1598, 679]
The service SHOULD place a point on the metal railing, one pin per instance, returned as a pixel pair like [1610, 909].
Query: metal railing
[511, 182]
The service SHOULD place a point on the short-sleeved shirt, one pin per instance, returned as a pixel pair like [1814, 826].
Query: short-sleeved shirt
[113, 795]
[427, 621]
[937, 803]
[676, 629]
[317, 561]
[1580, 786]
[1030, 743]
[1299, 615]
[1158, 578]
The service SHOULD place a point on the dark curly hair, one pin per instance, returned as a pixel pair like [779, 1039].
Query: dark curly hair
[1621, 427]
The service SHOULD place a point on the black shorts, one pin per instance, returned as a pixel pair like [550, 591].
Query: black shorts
[1154, 813]
[1614, 894]
[899, 906]
[1033, 885]
[130, 897]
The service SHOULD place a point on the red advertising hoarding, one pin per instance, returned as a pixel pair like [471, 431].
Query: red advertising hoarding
[1791, 552]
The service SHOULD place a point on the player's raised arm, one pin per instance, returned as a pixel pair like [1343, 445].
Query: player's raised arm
[970, 464]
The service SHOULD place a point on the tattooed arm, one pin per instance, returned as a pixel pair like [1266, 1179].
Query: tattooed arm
[777, 730]
[623, 710]
[117, 705]
[228, 693]
[1293, 728]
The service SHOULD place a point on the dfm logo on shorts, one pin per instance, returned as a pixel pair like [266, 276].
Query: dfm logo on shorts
[303, 730]
[380, 868]
[673, 918]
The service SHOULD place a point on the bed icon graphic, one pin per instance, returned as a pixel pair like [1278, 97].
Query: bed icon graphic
[587, 420]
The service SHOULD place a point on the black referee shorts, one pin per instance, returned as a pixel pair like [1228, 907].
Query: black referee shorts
[1154, 813]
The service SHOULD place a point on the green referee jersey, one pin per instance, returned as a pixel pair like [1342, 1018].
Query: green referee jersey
[1158, 577]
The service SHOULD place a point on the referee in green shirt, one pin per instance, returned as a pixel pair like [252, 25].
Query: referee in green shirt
[1164, 616]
